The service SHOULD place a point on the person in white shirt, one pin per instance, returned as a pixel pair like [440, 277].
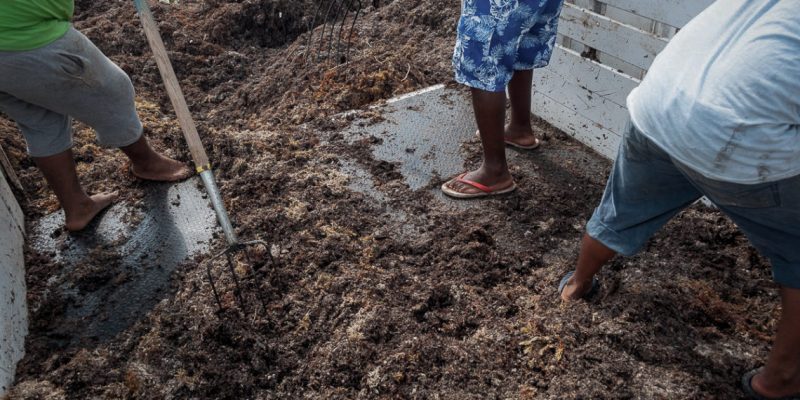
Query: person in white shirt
[718, 115]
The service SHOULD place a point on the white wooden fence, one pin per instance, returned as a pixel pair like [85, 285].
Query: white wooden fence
[604, 50]
[13, 310]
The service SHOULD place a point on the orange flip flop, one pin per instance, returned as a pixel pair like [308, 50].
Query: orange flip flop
[485, 191]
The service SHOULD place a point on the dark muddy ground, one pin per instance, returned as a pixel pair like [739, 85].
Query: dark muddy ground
[447, 302]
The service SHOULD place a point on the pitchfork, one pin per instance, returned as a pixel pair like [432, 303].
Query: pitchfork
[199, 155]
[334, 10]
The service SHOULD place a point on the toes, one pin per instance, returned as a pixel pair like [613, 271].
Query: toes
[110, 197]
[180, 174]
[101, 201]
[461, 187]
[185, 173]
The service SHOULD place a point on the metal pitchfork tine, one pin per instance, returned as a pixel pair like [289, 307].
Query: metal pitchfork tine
[341, 30]
[353, 27]
[349, 5]
[325, 27]
[339, 8]
[199, 155]
[311, 26]
[334, 10]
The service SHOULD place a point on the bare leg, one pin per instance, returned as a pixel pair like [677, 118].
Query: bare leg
[519, 130]
[594, 255]
[781, 376]
[150, 165]
[490, 114]
[79, 208]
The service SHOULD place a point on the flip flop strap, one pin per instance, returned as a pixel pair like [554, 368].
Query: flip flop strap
[476, 185]
[747, 385]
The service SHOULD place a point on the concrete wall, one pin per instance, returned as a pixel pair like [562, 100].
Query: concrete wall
[13, 307]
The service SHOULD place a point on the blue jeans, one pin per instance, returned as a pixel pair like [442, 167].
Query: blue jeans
[647, 188]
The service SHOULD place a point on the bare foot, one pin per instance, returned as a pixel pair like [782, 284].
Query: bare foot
[78, 218]
[161, 169]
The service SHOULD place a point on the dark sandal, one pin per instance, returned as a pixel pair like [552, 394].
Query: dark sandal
[591, 293]
[747, 387]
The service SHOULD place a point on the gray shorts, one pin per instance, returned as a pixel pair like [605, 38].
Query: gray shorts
[43, 89]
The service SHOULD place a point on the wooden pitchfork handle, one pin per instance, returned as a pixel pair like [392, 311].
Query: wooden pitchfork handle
[185, 120]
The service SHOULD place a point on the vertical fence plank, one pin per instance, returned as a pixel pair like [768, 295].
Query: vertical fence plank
[13, 308]
[618, 40]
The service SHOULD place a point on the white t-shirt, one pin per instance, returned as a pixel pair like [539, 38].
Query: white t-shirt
[724, 96]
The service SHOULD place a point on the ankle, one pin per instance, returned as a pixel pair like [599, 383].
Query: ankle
[154, 162]
[582, 285]
[779, 379]
[784, 377]
[519, 126]
[144, 160]
[76, 203]
[499, 170]
[140, 153]
[580, 280]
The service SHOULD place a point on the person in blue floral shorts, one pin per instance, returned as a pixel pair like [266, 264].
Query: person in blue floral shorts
[500, 43]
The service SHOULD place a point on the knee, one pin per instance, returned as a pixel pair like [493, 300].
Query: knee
[115, 83]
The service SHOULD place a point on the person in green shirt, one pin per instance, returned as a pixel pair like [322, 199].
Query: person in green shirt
[49, 74]
[30, 24]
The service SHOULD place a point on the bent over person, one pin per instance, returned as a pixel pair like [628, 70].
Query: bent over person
[500, 43]
[718, 115]
[51, 73]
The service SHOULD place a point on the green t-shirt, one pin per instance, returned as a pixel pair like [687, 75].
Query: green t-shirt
[30, 24]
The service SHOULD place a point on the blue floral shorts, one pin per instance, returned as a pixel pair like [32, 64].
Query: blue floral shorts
[498, 37]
